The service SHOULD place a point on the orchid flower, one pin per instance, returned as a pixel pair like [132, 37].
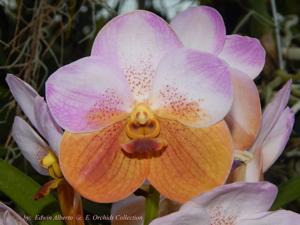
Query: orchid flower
[41, 155]
[10, 217]
[202, 28]
[142, 107]
[233, 204]
[277, 125]
[32, 145]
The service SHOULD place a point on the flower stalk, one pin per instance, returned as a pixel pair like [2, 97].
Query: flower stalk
[152, 205]
[70, 204]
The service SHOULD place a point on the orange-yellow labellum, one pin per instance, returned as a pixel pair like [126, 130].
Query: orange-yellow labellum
[95, 165]
[191, 161]
[195, 161]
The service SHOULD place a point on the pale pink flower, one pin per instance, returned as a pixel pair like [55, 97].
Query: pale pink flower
[10, 217]
[142, 107]
[202, 28]
[42, 151]
[32, 145]
[277, 125]
[233, 204]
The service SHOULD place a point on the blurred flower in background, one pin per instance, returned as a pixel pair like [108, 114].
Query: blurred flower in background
[42, 155]
[237, 203]
[10, 217]
[202, 28]
[276, 127]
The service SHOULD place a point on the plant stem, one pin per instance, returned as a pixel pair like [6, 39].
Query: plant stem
[277, 33]
[152, 205]
[71, 204]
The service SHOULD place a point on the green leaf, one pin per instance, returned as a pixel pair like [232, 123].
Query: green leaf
[287, 192]
[21, 189]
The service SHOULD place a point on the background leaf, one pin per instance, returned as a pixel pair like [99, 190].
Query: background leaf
[287, 192]
[21, 189]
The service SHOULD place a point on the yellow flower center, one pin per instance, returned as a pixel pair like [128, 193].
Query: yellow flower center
[142, 123]
[50, 162]
[143, 129]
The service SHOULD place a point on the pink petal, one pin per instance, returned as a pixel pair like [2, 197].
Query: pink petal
[236, 199]
[191, 87]
[194, 216]
[269, 144]
[271, 114]
[46, 124]
[280, 217]
[200, 28]
[131, 206]
[32, 146]
[244, 117]
[24, 95]
[135, 42]
[36, 109]
[277, 138]
[10, 217]
[87, 95]
[244, 53]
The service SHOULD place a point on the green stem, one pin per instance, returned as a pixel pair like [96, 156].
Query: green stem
[152, 205]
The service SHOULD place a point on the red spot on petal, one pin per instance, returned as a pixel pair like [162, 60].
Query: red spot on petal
[179, 105]
[106, 109]
[218, 217]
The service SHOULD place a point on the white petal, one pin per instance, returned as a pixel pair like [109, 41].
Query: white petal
[30, 143]
[46, 124]
[244, 53]
[244, 117]
[275, 117]
[271, 114]
[135, 42]
[36, 109]
[10, 217]
[200, 28]
[253, 170]
[24, 95]
[191, 87]
[193, 216]
[280, 217]
[236, 199]
[277, 139]
[88, 95]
